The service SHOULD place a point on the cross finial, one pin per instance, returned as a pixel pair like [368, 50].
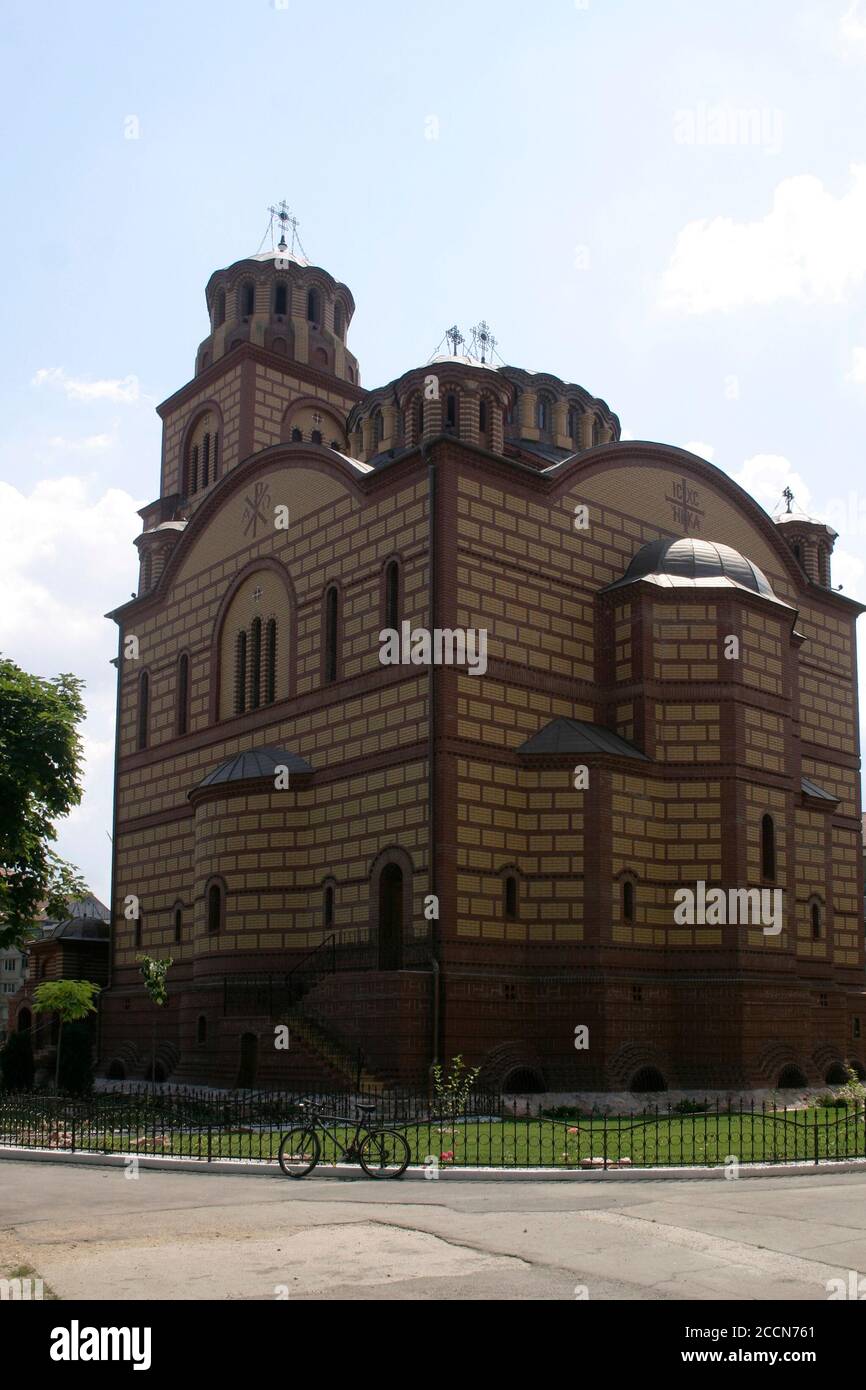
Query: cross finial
[282, 217]
[455, 339]
[483, 341]
[789, 497]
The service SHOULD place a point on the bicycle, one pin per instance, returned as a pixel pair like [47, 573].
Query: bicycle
[382, 1153]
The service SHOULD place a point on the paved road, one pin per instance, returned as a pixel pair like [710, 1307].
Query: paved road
[93, 1233]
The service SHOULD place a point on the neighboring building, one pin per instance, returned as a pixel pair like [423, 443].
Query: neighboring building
[13, 969]
[432, 880]
[76, 948]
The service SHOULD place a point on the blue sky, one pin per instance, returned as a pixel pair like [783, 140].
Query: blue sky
[665, 203]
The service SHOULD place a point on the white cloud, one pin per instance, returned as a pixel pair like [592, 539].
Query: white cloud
[66, 558]
[858, 366]
[765, 477]
[851, 30]
[125, 390]
[810, 247]
[91, 444]
[703, 451]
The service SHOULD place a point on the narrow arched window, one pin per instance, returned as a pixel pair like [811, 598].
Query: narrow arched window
[816, 922]
[139, 930]
[378, 427]
[201, 1030]
[451, 411]
[271, 661]
[511, 897]
[241, 673]
[328, 913]
[281, 300]
[332, 614]
[143, 709]
[248, 301]
[392, 595]
[316, 437]
[596, 431]
[205, 461]
[339, 321]
[256, 664]
[214, 457]
[220, 309]
[178, 924]
[628, 901]
[542, 413]
[419, 418]
[183, 694]
[482, 417]
[574, 431]
[214, 908]
[768, 848]
[313, 306]
[192, 486]
[297, 437]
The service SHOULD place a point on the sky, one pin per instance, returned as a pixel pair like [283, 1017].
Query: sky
[665, 203]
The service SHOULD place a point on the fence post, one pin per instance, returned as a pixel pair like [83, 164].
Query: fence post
[209, 1133]
[815, 1128]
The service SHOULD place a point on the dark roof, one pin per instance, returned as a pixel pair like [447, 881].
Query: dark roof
[80, 929]
[253, 764]
[551, 453]
[576, 736]
[691, 561]
[812, 789]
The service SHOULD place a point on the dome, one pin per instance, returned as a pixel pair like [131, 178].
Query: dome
[695, 563]
[256, 763]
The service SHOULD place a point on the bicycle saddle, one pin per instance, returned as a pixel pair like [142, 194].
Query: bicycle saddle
[364, 1108]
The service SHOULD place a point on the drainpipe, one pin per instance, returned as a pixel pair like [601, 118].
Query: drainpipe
[435, 926]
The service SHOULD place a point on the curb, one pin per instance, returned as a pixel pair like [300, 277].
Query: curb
[344, 1171]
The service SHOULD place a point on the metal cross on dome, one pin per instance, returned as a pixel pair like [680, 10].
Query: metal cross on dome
[258, 594]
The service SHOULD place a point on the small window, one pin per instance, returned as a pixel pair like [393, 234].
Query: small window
[628, 901]
[314, 306]
[855, 1027]
[281, 300]
[511, 897]
[596, 431]
[178, 924]
[451, 411]
[271, 662]
[543, 413]
[220, 309]
[214, 908]
[768, 849]
[823, 1001]
[328, 914]
[332, 616]
[241, 673]
[637, 994]
[482, 417]
[143, 709]
[392, 595]
[316, 437]
[248, 301]
[297, 437]
[183, 694]
[419, 419]
[378, 427]
[339, 321]
[256, 664]
[574, 431]
[201, 1030]
[816, 922]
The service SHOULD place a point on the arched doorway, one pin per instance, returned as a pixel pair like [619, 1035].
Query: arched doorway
[249, 1062]
[25, 1021]
[391, 918]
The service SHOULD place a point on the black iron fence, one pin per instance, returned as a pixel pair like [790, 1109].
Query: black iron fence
[490, 1131]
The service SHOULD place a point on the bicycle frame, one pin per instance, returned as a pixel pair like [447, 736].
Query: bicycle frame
[324, 1122]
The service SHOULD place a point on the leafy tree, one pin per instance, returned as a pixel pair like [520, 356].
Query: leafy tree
[154, 974]
[71, 1000]
[40, 769]
[16, 1062]
[452, 1091]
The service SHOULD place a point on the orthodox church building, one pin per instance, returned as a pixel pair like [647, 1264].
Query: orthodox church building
[449, 722]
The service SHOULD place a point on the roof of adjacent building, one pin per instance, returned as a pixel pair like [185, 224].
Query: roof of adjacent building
[577, 736]
[691, 562]
[255, 763]
[812, 789]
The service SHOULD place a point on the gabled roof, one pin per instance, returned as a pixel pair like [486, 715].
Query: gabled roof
[576, 736]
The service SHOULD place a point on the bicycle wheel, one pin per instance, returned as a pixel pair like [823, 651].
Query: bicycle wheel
[299, 1152]
[384, 1154]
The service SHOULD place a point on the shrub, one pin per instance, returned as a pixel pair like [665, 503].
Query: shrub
[691, 1107]
[16, 1063]
[76, 1064]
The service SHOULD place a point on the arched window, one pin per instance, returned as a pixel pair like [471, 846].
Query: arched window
[205, 461]
[451, 411]
[220, 309]
[514, 408]
[178, 924]
[183, 694]
[143, 709]
[510, 897]
[256, 664]
[392, 594]
[215, 908]
[816, 922]
[314, 306]
[542, 413]
[574, 430]
[332, 617]
[241, 673]
[378, 427]
[316, 437]
[201, 1030]
[248, 300]
[281, 300]
[482, 417]
[138, 934]
[768, 849]
[328, 907]
[628, 901]
[215, 457]
[297, 437]
[596, 431]
[339, 321]
[271, 661]
[419, 419]
[192, 483]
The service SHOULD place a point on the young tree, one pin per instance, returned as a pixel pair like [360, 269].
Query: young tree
[70, 1000]
[154, 973]
[452, 1091]
[40, 768]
